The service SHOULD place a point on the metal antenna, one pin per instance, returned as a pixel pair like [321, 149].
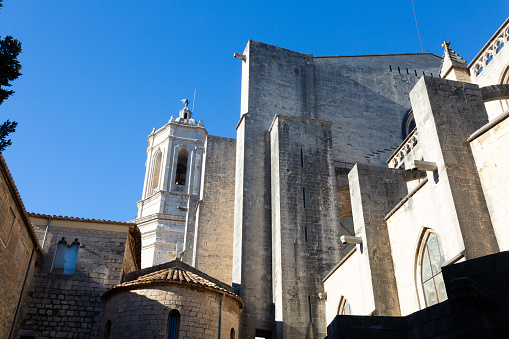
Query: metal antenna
[194, 98]
[415, 17]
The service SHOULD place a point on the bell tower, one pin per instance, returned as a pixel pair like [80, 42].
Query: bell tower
[172, 176]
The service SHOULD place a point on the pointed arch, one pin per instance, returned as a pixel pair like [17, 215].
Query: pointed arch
[429, 259]
[344, 307]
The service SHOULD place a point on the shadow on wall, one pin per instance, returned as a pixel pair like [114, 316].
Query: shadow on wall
[477, 307]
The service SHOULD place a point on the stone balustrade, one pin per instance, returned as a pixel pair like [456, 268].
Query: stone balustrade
[490, 51]
[397, 158]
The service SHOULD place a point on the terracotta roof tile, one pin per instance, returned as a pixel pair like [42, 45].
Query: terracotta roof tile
[97, 221]
[179, 274]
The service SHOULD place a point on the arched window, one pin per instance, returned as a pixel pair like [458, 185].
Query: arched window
[173, 324]
[180, 175]
[408, 124]
[157, 170]
[107, 330]
[432, 259]
[232, 334]
[344, 307]
[65, 257]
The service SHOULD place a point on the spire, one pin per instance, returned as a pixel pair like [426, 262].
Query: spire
[454, 67]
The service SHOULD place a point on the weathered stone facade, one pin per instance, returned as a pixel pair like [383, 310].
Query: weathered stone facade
[172, 180]
[407, 150]
[19, 251]
[140, 308]
[71, 305]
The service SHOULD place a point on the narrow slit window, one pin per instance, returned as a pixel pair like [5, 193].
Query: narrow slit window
[304, 197]
[301, 158]
[65, 257]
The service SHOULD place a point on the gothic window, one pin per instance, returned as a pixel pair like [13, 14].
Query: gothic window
[157, 170]
[432, 259]
[65, 257]
[232, 334]
[180, 175]
[344, 307]
[173, 324]
[408, 124]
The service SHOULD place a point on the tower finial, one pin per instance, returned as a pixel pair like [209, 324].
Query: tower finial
[454, 67]
[185, 101]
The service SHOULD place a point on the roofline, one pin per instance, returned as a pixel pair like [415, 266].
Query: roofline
[144, 284]
[374, 55]
[341, 56]
[493, 37]
[97, 221]
[19, 202]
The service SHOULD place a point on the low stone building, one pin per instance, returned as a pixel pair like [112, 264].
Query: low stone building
[83, 259]
[172, 300]
[19, 251]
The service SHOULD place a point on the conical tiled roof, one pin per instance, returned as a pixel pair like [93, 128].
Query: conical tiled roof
[178, 273]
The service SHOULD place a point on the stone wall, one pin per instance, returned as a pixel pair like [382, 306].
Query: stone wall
[447, 113]
[366, 99]
[71, 306]
[18, 243]
[375, 191]
[305, 223]
[144, 312]
[489, 147]
[214, 226]
[350, 280]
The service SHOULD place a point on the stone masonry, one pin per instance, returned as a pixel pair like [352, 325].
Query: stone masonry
[364, 97]
[447, 113]
[213, 236]
[19, 251]
[375, 191]
[71, 306]
[305, 230]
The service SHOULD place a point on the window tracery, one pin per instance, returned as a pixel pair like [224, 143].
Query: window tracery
[432, 259]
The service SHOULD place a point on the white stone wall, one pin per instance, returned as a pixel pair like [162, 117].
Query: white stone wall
[491, 155]
[351, 280]
[162, 211]
[430, 207]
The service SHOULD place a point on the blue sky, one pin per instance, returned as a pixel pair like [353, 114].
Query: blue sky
[99, 75]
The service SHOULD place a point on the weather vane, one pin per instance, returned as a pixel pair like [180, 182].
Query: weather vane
[185, 101]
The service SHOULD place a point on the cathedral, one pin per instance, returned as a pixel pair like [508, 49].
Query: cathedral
[363, 197]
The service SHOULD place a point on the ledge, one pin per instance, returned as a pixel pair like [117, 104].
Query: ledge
[405, 199]
[488, 126]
